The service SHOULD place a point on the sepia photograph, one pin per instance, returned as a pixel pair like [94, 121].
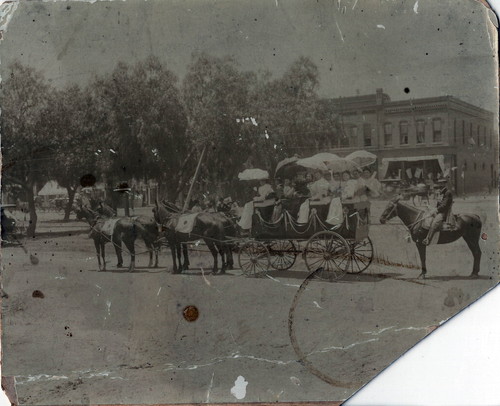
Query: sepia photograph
[215, 201]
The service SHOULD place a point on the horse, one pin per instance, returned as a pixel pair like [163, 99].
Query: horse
[147, 229]
[212, 228]
[468, 226]
[114, 230]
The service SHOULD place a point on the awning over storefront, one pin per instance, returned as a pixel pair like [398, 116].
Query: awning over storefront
[384, 165]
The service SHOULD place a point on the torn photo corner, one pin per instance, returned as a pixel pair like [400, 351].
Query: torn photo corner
[221, 202]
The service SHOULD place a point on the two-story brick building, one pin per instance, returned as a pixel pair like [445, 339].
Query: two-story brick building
[422, 137]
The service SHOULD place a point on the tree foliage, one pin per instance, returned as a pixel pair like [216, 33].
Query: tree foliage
[137, 123]
[143, 124]
[71, 117]
[27, 147]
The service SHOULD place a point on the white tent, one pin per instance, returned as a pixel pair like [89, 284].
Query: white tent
[52, 188]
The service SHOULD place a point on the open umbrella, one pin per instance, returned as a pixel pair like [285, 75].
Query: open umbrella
[362, 158]
[325, 157]
[253, 174]
[285, 162]
[342, 165]
[312, 163]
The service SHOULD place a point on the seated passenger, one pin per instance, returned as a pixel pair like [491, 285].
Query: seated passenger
[288, 190]
[373, 186]
[264, 190]
[335, 183]
[320, 188]
[348, 187]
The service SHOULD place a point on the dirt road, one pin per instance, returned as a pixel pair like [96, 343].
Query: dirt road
[119, 337]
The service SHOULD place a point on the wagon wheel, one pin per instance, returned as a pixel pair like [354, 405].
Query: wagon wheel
[283, 254]
[254, 258]
[330, 251]
[361, 255]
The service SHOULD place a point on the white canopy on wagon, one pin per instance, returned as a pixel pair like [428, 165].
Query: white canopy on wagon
[434, 158]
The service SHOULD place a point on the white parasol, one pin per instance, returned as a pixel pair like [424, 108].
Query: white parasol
[253, 174]
[362, 158]
[325, 157]
[313, 163]
[285, 162]
[342, 165]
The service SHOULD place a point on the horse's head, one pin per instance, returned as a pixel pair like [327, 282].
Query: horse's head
[162, 216]
[390, 210]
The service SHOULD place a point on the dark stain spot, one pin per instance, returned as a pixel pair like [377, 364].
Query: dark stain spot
[190, 313]
[407, 90]
[88, 180]
[37, 293]
[484, 236]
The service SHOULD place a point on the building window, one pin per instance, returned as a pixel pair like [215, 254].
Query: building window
[367, 134]
[420, 132]
[463, 132]
[475, 166]
[437, 135]
[465, 166]
[388, 134]
[353, 136]
[491, 139]
[455, 131]
[478, 135]
[403, 132]
[484, 166]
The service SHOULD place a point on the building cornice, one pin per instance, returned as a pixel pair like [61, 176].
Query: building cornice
[369, 102]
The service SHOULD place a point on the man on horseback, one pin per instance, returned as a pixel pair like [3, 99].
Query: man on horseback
[442, 213]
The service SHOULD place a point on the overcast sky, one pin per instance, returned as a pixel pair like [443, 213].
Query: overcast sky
[432, 47]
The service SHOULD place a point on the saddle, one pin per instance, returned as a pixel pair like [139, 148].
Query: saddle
[185, 223]
[449, 224]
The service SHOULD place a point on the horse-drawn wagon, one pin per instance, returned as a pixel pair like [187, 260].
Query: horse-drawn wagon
[334, 237]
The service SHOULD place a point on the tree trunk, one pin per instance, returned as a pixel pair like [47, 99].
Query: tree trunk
[30, 232]
[69, 206]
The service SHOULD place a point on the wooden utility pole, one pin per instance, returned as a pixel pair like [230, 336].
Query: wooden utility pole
[193, 181]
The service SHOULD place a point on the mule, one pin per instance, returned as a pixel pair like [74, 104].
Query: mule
[468, 227]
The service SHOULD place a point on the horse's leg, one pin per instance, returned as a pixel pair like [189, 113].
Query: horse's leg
[222, 251]
[229, 256]
[473, 244]
[178, 249]
[117, 243]
[173, 249]
[98, 251]
[129, 243]
[422, 251]
[149, 246]
[186, 256]
[156, 248]
[213, 250]
[103, 244]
